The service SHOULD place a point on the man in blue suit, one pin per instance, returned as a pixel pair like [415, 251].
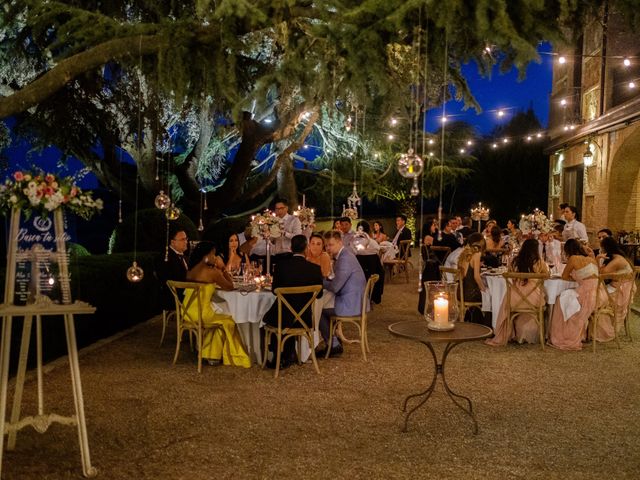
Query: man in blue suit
[347, 283]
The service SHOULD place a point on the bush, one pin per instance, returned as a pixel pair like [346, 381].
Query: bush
[152, 231]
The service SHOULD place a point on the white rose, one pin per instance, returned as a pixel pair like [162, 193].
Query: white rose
[13, 199]
[99, 204]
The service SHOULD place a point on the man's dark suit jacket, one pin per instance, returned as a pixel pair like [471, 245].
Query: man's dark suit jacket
[405, 234]
[173, 269]
[294, 271]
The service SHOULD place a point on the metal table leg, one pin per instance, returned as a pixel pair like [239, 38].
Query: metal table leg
[439, 369]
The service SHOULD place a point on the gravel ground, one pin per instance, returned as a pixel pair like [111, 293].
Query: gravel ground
[541, 414]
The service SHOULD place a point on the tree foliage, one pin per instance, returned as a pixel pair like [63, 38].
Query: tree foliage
[129, 75]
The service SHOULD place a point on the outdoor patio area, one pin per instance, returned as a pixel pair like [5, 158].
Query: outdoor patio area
[548, 414]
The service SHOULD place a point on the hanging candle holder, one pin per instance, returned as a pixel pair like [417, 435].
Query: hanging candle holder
[162, 200]
[410, 165]
[134, 273]
[415, 190]
[172, 212]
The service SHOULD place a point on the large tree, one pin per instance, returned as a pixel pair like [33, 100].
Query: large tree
[239, 76]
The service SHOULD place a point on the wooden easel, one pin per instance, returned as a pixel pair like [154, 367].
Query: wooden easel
[41, 307]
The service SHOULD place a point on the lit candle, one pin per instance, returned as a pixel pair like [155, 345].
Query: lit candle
[441, 310]
[551, 217]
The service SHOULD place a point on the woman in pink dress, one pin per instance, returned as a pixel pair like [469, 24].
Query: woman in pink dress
[525, 328]
[579, 303]
[615, 261]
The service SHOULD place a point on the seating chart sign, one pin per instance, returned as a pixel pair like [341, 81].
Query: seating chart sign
[37, 261]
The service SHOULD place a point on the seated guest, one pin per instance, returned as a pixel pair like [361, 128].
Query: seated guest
[223, 344]
[173, 266]
[402, 233]
[362, 243]
[487, 228]
[345, 229]
[448, 238]
[615, 261]
[469, 264]
[603, 233]
[495, 247]
[525, 328]
[568, 325]
[378, 232]
[235, 259]
[515, 234]
[558, 228]
[316, 254]
[348, 284]
[176, 265]
[465, 228]
[294, 271]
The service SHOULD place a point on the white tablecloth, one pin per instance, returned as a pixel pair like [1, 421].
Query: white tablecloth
[497, 288]
[247, 310]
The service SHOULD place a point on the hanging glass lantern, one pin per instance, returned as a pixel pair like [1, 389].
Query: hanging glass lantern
[135, 273]
[410, 165]
[415, 190]
[162, 201]
[172, 212]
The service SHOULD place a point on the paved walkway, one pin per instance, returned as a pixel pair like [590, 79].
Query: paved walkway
[542, 415]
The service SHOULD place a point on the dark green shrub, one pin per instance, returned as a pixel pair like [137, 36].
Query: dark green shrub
[152, 231]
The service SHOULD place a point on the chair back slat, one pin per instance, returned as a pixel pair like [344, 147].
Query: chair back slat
[368, 289]
[514, 286]
[404, 247]
[282, 292]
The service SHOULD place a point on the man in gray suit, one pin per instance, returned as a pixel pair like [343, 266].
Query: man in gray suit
[347, 283]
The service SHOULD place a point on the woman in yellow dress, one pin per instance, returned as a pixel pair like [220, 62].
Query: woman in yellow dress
[223, 343]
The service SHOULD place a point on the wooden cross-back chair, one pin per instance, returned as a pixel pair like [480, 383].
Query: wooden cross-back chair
[285, 333]
[518, 300]
[608, 305]
[186, 321]
[627, 319]
[360, 321]
[457, 277]
[401, 264]
[440, 253]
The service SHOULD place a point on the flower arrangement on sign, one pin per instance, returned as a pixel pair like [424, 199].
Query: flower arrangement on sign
[306, 215]
[265, 225]
[535, 223]
[41, 193]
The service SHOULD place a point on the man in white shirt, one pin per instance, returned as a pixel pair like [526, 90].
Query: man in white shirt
[573, 228]
[289, 225]
[550, 249]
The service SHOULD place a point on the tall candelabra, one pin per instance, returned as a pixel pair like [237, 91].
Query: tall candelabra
[479, 213]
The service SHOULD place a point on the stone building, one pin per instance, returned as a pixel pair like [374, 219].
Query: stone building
[595, 106]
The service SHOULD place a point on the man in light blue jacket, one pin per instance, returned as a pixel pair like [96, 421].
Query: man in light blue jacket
[347, 282]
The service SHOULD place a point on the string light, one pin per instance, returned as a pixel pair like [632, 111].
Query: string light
[390, 137]
[431, 141]
[462, 150]
[563, 102]
[394, 122]
[443, 119]
[469, 142]
[529, 138]
[626, 62]
[505, 140]
[562, 60]
[494, 145]
[632, 85]
[501, 113]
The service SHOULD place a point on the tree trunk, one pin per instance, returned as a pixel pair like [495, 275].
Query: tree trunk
[287, 187]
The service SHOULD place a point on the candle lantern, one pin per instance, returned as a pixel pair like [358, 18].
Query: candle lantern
[441, 307]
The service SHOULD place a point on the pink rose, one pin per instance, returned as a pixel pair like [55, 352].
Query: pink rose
[74, 191]
[48, 191]
[49, 178]
[19, 176]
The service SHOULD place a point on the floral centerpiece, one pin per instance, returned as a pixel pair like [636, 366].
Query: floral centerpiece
[306, 215]
[535, 223]
[41, 193]
[265, 224]
[352, 213]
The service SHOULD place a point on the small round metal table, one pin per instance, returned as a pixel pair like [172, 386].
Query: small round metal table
[417, 330]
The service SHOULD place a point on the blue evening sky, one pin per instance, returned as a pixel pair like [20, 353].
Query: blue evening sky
[502, 91]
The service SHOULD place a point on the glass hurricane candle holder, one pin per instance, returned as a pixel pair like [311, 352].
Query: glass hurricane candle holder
[441, 307]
